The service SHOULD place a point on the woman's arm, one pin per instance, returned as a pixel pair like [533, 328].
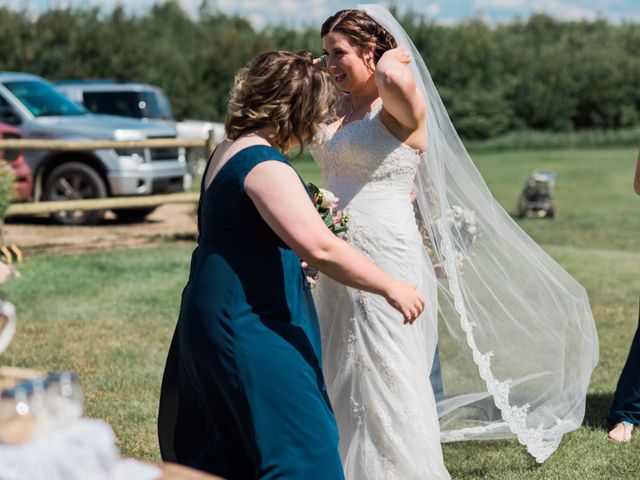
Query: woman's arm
[397, 89]
[283, 203]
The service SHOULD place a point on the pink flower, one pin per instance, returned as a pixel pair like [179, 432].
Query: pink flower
[337, 217]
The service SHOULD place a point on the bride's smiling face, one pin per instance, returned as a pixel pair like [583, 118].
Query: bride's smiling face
[346, 62]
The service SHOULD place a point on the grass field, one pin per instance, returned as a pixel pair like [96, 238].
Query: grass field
[109, 316]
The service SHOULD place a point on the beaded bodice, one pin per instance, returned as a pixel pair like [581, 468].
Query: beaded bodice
[364, 152]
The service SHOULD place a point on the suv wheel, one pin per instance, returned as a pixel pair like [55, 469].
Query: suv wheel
[75, 181]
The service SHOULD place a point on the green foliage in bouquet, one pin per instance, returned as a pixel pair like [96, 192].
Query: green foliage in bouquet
[326, 204]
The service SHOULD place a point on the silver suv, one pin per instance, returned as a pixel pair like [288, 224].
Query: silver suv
[40, 111]
[146, 102]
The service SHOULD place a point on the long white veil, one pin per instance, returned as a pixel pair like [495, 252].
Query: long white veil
[517, 341]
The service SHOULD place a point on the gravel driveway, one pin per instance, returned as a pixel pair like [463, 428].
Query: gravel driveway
[39, 235]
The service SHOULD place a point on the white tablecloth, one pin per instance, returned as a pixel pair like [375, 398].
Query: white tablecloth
[85, 450]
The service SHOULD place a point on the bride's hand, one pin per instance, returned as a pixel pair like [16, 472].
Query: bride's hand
[312, 273]
[406, 299]
[322, 61]
[399, 54]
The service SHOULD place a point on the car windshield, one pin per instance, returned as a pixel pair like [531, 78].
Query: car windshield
[144, 104]
[42, 100]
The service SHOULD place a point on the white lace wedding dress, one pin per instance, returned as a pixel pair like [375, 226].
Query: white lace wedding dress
[376, 368]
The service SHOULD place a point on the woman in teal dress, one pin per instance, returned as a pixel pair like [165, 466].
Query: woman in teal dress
[243, 395]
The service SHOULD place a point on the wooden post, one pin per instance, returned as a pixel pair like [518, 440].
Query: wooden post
[142, 201]
[211, 142]
[85, 145]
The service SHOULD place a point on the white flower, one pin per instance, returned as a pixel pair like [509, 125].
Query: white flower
[470, 216]
[328, 198]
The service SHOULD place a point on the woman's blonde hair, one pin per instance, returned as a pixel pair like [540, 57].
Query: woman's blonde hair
[284, 91]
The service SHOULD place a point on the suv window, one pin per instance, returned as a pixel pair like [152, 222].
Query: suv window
[7, 114]
[43, 100]
[128, 104]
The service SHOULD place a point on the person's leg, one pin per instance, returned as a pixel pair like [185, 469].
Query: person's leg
[624, 413]
[213, 431]
[295, 431]
[436, 377]
[169, 406]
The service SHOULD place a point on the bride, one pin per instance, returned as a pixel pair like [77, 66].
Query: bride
[515, 334]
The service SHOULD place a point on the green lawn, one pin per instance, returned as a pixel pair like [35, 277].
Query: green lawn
[110, 316]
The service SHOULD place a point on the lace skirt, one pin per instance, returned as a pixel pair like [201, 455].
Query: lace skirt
[376, 368]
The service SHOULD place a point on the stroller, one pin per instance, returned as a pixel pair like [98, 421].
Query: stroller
[536, 198]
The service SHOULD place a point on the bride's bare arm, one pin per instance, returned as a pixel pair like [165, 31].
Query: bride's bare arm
[398, 91]
[283, 203]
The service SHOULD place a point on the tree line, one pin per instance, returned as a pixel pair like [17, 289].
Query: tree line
[535, 74]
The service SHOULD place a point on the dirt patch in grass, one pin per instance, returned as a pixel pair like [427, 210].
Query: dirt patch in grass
[41, 236]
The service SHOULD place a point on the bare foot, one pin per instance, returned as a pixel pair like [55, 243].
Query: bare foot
[621, 433]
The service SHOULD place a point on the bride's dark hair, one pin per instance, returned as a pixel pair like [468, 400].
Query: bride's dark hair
[361, 30]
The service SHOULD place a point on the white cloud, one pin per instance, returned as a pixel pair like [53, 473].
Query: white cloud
[295, 13]
[190, 6]
[575, 13]
[433, 9]
[560, 9]
[257, 20]
[502, 4]
[287, 12]
[243, 4]
[291, 6]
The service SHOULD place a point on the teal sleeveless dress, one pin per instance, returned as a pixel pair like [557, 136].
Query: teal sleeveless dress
[243, 394]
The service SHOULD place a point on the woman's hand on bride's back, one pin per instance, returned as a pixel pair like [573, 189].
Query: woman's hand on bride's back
[405, 298]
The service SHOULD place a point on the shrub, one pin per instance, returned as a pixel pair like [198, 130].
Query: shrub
[7, 187]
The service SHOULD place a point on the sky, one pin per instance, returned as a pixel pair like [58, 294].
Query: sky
[297, 13]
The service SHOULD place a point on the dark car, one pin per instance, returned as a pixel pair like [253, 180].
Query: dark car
[15, 158]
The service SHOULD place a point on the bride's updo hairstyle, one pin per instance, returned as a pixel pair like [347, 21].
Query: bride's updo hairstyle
[284, 91]
[361, 30]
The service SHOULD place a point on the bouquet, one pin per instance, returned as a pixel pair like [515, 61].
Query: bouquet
[465, 222]
[326, 204]
[336, 220]
[466, 231]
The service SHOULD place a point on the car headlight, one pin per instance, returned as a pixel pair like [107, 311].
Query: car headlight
[136, 154]
[123, 134]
